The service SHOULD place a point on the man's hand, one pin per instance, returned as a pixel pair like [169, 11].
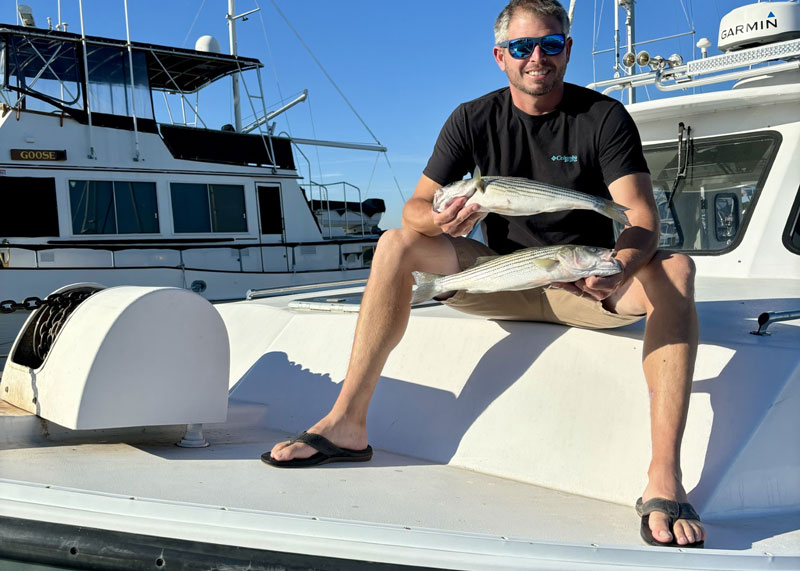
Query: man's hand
[598, 288]
[456, 219]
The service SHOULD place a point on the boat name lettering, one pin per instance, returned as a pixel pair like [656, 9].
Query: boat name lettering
[751, 27]
[37, 155]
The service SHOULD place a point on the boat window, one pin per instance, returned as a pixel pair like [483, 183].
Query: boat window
[113, 207]
[110, 81]
[791, 237]
[208, 207]
[45, 68]
[713, 202]
[29, 207]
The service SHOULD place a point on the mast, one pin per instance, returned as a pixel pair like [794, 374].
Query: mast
[627, 5]
[237, 108]
[92, 154]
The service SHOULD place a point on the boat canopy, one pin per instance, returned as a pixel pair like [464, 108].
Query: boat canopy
[49, 52]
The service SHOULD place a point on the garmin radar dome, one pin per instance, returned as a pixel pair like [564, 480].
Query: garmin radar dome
[759, 24]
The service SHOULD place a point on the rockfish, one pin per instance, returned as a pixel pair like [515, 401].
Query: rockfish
[523, 269]
[515, 196]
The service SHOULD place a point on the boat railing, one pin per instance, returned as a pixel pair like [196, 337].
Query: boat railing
[293, 252]
[768, 318]
[320, 194]
[669, 77]
[274, 291]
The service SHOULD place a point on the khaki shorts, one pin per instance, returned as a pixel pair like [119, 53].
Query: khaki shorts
[538, 304]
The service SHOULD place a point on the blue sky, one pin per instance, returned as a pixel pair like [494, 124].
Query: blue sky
[403, 66]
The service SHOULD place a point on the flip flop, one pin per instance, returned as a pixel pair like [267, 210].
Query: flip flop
[674, 511]
[327, 452]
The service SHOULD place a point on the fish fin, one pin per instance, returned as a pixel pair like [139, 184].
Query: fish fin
[545, 264]
[614, 211]
[425, 287]
[482, 260]
[479, 184]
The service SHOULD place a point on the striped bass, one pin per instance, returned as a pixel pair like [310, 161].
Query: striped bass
[516, 196]
[523, 269]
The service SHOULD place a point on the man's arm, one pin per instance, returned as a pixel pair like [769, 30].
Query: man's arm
[638, 242]
[418, 213]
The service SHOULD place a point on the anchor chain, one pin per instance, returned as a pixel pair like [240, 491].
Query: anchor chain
[30, 303]
[55, 309]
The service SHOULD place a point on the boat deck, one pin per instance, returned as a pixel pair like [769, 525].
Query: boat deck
[465, 505]
[393, 494]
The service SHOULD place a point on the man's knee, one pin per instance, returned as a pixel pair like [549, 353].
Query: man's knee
[670, 269]
[399, 247]
[680, 269]
[396, 241]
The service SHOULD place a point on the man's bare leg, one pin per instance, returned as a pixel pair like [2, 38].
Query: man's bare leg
[664, 289]
[382, 321]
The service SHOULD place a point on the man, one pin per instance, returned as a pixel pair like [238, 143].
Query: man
[543, 129]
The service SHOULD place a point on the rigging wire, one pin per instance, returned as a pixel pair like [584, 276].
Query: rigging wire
[324, 71]
[598, 23]
[316, 148]
[343, 96]
[391, 170]
[686, 15]
[690, 23]
[197, 15]
[372, 174]
[272, 63]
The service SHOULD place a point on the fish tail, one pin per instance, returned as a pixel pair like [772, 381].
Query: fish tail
[426, 287]
[614, 211]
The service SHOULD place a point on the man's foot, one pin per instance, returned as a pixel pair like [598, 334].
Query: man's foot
[344, 434]
[686, 531]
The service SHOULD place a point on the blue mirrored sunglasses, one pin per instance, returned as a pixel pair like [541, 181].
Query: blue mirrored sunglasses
[522, 48]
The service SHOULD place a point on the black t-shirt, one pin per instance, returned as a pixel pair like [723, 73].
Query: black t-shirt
[588, 142]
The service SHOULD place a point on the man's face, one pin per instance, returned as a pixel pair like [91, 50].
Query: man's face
[540, 73]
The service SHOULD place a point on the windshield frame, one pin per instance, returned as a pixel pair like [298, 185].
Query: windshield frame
[706, 142]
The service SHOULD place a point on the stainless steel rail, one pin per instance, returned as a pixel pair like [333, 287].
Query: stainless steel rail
[259, 293]
[768, 318]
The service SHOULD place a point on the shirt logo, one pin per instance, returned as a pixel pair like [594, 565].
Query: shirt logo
[565, 158]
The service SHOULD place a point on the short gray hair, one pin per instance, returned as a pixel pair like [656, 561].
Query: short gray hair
[540, 8]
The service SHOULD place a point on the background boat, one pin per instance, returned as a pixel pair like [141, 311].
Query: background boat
[112, 173]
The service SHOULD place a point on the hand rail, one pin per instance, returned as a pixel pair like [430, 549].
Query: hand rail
[768, 318]
[259, 293]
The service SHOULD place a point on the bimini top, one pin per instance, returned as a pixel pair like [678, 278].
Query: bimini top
[168, 68]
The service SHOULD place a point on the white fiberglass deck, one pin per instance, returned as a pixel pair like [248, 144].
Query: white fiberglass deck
[79, 480]
[498, 447]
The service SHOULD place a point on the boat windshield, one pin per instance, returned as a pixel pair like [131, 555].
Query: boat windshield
[110, 81]
[46, 69]
[715, 196]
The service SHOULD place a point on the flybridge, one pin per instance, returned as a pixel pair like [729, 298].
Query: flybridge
[757, 24]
